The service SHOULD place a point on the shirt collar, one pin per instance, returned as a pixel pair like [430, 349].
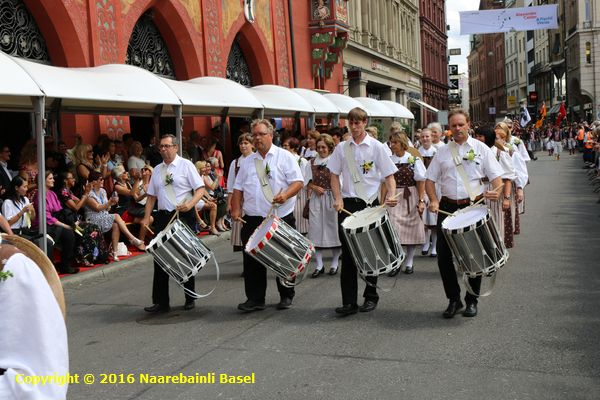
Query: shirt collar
[175, 161]
[367, 141]
[3, 164]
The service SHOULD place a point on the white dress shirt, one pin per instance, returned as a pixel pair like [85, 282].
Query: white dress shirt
[515, 141]
[430, 152]
[443, 172]
[10, 209]
[522, 175]
[506, 163]
[418, 169]
[231, 175]
[283, 171]
[438, 145]
[369, 150]
[186, 180]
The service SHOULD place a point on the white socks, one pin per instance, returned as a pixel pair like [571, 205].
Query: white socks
[335, 253]
[410, 255]
[319, 257]
[434, 241]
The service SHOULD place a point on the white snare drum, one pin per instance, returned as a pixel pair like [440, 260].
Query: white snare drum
[475, 242]
[373, 241]
[179, 252]
[280, 247]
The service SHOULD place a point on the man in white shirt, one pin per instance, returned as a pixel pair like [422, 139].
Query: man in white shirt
[285, 180]
[370, 157]
[176, 186]
[478, 162]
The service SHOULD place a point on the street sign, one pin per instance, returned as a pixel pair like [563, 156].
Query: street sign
[453, 84]
[533, 97]
[453, 69]
[492, 111]
[454, 98]
[455, 52]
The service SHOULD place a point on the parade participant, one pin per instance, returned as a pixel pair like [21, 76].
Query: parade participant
[497, 208]
[292, 145]
[406, 216]
[323, 218]
[460, 186]
[515, 141]
[310, 151]
[246, 148]
[177, 187]
[362, 173]
[270, 177]
[437, 134]
[427, 151]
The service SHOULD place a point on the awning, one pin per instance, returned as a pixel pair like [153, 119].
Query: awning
[111, 88]
[214, 96]
[375, 108]
[422, 104]
[344, 103]
[323, 107]
[279, 101]
[398, 109]
[16, 87]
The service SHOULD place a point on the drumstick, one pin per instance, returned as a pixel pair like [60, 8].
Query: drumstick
[148, 229]
[493, 190]
[346, 211]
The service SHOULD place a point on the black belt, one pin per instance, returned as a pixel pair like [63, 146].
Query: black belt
[354, 200]
[460, 202]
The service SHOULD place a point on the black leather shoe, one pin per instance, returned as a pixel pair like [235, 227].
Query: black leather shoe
[424, 253]
[318, 272]
[453, 308]
[189, 304]
[157, 309]
[347, 309]
[284, 304]
[368, 306]
[250, 305]
[409, 270]
[394, 272]
[471, 310]
[332, 271]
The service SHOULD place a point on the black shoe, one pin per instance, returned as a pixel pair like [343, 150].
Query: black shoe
[318, 272]
[189, 304]
[157, 309]
[284, 304]
[394, 272]
[368, 306]
[453, 308]
[347, 309]
[409, 270]
[68, 270]
[250, 305]
[332, 271]
[471, 310]
[424, 252]
[433, 255]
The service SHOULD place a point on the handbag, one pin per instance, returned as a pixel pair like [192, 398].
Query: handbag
[66, 216]
[306, 209]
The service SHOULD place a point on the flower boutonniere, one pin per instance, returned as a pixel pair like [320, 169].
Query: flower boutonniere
[268, 170]
[168, 179]
[299, 161]
[367, 166]
[411, 162]
[471, 156]
[517, 141]
[4, 275]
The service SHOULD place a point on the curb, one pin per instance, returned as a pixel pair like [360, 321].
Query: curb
[137, 261]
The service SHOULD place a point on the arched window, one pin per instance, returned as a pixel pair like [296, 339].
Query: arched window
[237, 67]
[147, 49]
[19, 34]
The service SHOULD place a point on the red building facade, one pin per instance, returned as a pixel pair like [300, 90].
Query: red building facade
[199, 36]
[434, 43]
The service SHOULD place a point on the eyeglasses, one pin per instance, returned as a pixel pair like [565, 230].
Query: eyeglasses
[256, 134]
[166, 146]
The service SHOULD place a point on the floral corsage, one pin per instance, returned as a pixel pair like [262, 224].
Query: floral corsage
[471, 156]
[4, 275]
[168, 179]
[268, 171]
[367, 166]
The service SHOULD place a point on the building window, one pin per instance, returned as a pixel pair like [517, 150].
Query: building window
[147, 49]
[237, 67]
[588, 52]
[19, 34]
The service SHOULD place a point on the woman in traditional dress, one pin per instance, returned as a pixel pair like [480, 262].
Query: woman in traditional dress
[406, 216]
[245, 144]
[323, 219]
[427, 151]
[293, 145]
[310, 151]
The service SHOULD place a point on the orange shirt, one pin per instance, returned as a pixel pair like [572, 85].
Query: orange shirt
[580, 134]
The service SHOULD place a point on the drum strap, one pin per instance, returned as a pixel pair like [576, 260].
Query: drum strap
[493, 276]
[460, 168]
[356, 176]
[169, 190]
[263, 180]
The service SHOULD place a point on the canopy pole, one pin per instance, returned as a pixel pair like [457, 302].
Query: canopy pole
[38, 115]
[310, 121]
[179, 127]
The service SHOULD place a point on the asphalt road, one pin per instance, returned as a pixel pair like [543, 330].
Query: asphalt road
[536, 336]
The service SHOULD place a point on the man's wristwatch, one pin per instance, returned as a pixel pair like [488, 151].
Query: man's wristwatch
[421, 201]
[506, 197]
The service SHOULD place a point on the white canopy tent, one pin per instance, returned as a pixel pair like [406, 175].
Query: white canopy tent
[344, 103]
[375, 108]
[398, 109]
[17, 88]
[422, 104]
[279, 101]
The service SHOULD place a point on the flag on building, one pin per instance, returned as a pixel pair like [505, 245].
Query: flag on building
[562, 113]
[525, 117]
[542, 116]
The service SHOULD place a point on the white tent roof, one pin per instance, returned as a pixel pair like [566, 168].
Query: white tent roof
[117, 88]
[16, 86]
[279, 101]
[344, 103]
[321, 104]
[375, 109]
[211, 96]
[398, 109]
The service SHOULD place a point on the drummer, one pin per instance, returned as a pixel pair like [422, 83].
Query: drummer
[372, 166]
[283, 180]
[177, 186]
[478, 162]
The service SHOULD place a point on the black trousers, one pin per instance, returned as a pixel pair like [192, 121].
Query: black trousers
[66, 240]
[255, 273]
[445, 263]
[349, 275]
[160, 285]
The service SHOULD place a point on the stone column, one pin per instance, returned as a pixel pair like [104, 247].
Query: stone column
[358, 88]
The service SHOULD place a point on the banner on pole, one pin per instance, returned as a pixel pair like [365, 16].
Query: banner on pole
[509, 19]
